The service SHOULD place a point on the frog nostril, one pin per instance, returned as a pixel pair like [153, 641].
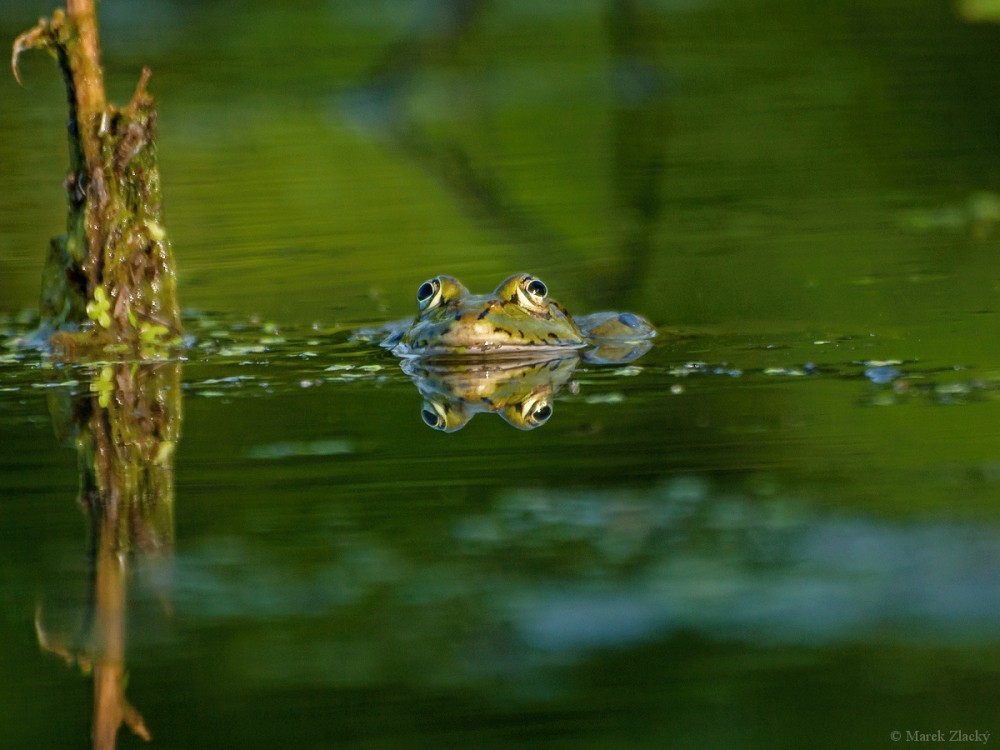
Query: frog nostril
[632, 321]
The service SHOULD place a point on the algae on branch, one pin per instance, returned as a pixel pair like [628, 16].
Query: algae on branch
[125, 432]
[109, 281]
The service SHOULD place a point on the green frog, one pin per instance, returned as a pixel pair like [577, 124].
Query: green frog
[519, 319]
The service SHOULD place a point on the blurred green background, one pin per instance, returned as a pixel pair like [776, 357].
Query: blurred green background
[767, 162]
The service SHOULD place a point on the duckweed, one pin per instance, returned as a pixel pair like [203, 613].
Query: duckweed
[103, 386]
[99, 309]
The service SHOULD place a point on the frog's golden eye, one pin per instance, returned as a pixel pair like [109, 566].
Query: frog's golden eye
[429, 294]
[531, 292]
[537, 288]
[441, 290]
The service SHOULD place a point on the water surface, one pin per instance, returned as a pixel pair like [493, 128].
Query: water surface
[779, 528]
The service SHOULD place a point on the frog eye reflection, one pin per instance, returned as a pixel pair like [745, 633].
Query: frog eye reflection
[541, 413]
[535, 412]
[433, 419]
[442, 416]
[429, 294]
[532, 292]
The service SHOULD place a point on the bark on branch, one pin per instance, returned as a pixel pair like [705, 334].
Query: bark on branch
[109, 281]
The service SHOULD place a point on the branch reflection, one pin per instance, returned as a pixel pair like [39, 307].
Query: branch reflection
[125, 431]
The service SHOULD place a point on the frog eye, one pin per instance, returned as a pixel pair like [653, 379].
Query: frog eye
[532, 292]
[429, 294]
[537, 288]
[441, 290]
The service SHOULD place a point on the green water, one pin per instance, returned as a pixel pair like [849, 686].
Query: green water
[778, 528]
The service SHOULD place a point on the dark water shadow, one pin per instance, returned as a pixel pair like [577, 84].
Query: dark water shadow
[639, 132]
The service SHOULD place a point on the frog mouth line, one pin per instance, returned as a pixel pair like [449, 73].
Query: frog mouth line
[492, 352]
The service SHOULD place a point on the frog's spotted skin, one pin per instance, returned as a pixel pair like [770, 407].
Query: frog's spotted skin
[518, 318]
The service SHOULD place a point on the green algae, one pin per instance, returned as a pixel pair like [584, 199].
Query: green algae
[109, 281]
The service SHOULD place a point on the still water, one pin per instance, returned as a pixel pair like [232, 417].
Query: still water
[780, 527]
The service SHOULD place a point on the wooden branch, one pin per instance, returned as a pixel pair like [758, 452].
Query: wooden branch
[112, 274]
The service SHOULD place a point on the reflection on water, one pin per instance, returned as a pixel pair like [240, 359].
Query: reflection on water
[125, 435]
[521, 392]
[391, 101]
[541, 579]
[328, 554]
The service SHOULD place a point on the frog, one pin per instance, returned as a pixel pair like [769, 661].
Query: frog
[519, 319]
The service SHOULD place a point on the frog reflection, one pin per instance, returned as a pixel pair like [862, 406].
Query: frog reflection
[521, 392]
